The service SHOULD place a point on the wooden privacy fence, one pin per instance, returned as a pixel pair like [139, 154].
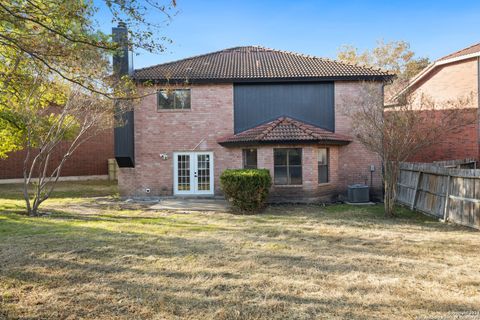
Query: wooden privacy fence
[459, 164]
[447, 193]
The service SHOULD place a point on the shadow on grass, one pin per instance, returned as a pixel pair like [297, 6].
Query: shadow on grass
[365, 217]
[135, 267]
[65, 189]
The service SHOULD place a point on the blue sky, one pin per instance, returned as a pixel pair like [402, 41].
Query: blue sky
[433, 28]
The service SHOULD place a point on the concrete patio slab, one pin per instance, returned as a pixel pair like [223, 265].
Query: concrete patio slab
[192, 204]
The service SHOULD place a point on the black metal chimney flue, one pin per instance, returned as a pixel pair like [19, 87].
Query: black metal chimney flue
[124, 142]
[120, 58]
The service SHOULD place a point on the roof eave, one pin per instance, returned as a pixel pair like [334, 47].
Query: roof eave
[380, 78]
[276, 142]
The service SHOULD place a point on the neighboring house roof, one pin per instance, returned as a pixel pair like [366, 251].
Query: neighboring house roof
[463, 54]
[285, 130]
[473, 49]
[259, 64]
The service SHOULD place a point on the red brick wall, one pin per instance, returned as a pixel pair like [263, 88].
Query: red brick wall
[197, 129]
[91, 158]
[457, 145]
[448, 82]
[354, 160]
[210, 118]
[310, 190]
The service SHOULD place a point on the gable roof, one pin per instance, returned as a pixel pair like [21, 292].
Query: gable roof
[463, 54]
[285, 130]
[256, 63]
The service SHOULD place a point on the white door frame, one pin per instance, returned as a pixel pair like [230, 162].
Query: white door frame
[193, 174]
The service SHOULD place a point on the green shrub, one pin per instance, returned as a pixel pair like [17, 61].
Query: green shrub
[246, 189]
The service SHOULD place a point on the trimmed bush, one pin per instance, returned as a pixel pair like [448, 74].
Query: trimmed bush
[246, 189]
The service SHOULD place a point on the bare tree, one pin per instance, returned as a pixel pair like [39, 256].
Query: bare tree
[393, 56]
[81, 117]
[397, 133]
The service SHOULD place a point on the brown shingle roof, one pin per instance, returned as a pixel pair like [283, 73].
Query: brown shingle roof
[256, 63]
[285, 130]
[469, 50]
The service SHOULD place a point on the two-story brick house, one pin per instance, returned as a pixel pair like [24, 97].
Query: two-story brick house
[454, 76]
[246, 107]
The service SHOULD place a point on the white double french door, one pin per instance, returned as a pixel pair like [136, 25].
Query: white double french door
[193, 173]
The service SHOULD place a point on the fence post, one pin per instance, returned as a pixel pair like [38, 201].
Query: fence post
[112, 169]
[414, 200]
[447, 200]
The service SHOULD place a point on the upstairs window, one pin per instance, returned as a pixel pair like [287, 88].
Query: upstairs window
[287, 166]
[323, 165]
[249, 158]
[173, 99]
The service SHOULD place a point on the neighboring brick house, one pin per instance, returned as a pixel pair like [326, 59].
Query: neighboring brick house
[90, 160]
[246, 107]
[453, 76]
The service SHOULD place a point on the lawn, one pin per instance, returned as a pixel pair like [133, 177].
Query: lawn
[100, 258]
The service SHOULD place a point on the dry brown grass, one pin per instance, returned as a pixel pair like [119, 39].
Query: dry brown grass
[96, 259]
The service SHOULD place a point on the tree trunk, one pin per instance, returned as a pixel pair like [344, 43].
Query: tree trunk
[38, 199]
[34, 210]
[34, 204]
[391, 179]
[26, 197]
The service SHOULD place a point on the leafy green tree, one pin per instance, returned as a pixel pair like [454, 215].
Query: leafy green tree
[63, 35]
[414, 67]
[55, 77]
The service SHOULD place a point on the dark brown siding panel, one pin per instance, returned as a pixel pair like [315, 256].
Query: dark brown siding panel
[124, 141]
[258, 103]
[124, 130]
